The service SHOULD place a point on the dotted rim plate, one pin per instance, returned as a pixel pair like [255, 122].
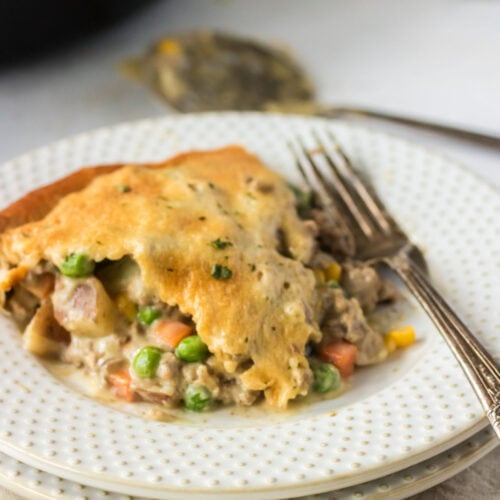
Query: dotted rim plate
[26, 480]
[394, 415]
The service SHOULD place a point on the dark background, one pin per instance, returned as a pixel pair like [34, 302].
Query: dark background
[30, 28]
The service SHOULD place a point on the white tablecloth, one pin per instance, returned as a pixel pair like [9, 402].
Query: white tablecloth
[432, 58]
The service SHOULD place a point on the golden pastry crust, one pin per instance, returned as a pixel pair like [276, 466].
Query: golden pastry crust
[166, 217]
[38, 203]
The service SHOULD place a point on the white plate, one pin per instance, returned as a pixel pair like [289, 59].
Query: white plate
[393, 416]
[36, 484]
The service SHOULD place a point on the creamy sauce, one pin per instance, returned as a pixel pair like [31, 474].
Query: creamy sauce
[383, 319]
[89, 386]
[389, 316]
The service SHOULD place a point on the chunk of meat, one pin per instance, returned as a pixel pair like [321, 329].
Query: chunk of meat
[334, 236]
[365, 284]
[344, 320]
[43, 335]
[83, 307]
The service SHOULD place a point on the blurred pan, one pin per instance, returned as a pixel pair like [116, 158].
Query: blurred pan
[31, 27]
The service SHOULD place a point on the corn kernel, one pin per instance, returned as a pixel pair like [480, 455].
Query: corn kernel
[333, 272]
[126, 306]
[319, 275]
[390, 345]
[403, 336]
[169, 47]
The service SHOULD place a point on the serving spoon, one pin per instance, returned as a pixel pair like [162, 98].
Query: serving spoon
[210, 71]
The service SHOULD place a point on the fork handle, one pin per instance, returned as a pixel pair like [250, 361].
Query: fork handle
[478, 365]
[482, 138]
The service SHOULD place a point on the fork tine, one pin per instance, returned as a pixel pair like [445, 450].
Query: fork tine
[375, 208]
[312, 182]
[336, 218]
[362, 222]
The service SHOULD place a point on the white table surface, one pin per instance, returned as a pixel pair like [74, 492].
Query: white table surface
[438, 59]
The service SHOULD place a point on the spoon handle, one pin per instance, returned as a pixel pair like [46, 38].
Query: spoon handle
[459, 133]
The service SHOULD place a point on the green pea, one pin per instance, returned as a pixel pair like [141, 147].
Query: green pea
[197, 397]
[146, 315]
[192, 349]
[77, 265]
[326, 378]
[146, 361]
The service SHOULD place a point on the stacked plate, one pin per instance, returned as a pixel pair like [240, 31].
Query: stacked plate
[401, 427]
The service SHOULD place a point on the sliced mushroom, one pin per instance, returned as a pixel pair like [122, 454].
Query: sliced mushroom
[40, 285]
[21, 304]
[43, 335]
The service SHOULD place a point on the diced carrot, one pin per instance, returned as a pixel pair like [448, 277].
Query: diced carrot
[340, 354]
[171, 332]
[120, 381]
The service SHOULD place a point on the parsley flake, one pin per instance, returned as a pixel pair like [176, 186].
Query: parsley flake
[123, 188]
[220, 244]
[220, 272]
[304, 201]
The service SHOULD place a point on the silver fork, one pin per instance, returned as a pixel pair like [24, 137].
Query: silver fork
[328, 172]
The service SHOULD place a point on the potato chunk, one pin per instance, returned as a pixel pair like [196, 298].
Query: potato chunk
[83, 307]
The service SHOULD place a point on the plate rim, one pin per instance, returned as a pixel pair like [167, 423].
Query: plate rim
[259, 492]
[411, 458]
[403, 491]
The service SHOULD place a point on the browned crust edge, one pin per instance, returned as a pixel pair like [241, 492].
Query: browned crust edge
[36, 204]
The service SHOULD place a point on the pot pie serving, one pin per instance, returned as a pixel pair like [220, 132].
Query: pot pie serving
[201, 280]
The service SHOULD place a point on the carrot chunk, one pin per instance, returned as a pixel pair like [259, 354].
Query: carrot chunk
[340, 354]
[171, 332]
[120, 381]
